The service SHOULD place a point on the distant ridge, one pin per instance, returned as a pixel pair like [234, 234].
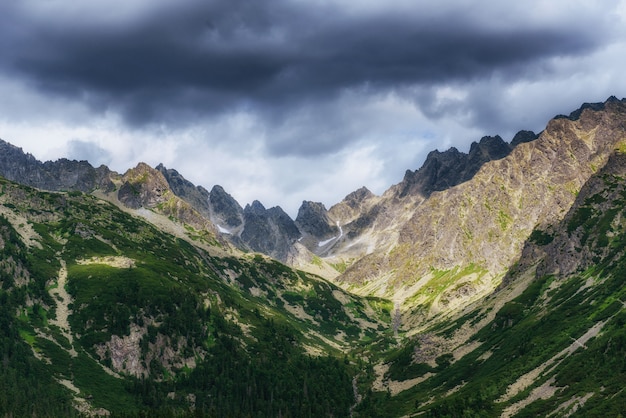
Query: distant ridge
[484, 284]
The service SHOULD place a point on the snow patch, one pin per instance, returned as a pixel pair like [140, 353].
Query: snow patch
[322, 243]
[223, 230]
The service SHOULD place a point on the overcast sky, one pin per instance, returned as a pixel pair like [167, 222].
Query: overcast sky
[291, 100]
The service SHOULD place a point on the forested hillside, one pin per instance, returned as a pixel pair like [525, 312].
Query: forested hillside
[502, 295]
[551, 341]
[150, 322]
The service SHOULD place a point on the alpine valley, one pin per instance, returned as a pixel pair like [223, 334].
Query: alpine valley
[484, 284]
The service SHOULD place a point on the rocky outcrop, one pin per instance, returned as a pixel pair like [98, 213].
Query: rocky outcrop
[270, 231]
[443, 170]
[591, 232]
[481, 225]
[146, 187]
[60, 175]
[597, 106]
[352, 206]
[523, 136]
[126, 355]
[216, 205]
[224, 208]
[143, 186]
[370, 222]
[313, 219]
[196, 196]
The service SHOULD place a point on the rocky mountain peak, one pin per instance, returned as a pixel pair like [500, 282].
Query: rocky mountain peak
[313, 219]
[143, 186]
[60, 175]
[224, 208]
[352, 206]
[442, 170]
[523, 136]
[197, 196]
[270, 231]
[481, 225]
[255, 207]
[146, 187]
[284, 222]
[488, 148]
[9, 150]
[575, 115]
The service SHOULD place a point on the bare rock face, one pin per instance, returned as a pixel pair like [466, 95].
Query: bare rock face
[352, 206]
[224, 208]
[590, 232]
[440, 171]
[443, 170]
[523, 136]
[370, 222]
[313, 219]
[143, 186]
[126, 355]
[196, 196]
[269, 231]
[146, 187]
[481, 225]
[60, 175]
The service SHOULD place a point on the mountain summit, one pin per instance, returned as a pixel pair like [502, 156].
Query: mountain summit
[480, 225]
[483, 284]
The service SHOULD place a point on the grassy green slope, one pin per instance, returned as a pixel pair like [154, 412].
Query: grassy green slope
[558, 347]
[101, 309]
[152, 322]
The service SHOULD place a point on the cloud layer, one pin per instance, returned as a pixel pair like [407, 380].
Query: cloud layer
[285, 100]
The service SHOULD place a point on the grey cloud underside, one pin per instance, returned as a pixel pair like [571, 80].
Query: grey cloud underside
[88, 151]
[270, 57]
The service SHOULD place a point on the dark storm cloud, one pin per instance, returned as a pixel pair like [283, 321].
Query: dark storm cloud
[181, 62]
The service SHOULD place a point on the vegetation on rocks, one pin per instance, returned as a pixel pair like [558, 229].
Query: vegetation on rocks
[500, 293]
[156, 323]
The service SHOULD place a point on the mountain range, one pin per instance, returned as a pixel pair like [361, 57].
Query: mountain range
[487, 283]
